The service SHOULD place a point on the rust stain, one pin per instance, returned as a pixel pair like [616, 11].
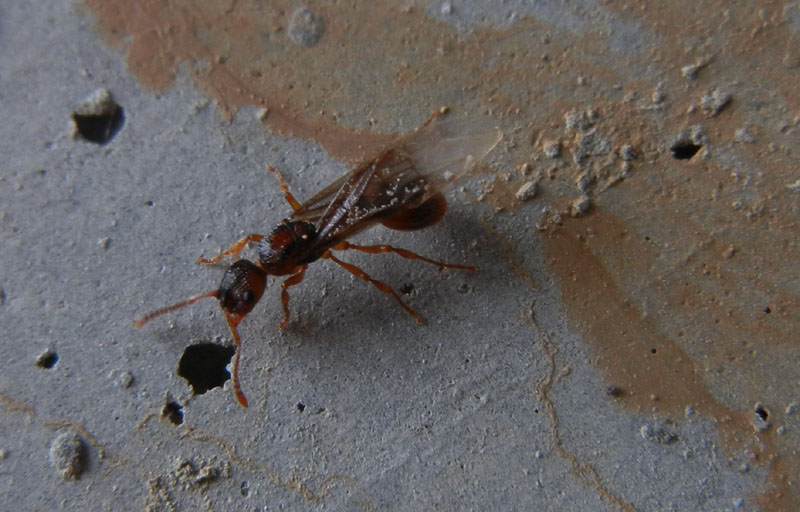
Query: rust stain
[653, 370]
[634, 355]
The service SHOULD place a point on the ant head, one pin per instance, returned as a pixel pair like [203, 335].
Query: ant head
[241, 288]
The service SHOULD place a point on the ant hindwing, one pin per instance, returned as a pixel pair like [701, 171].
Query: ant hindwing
[401, 188]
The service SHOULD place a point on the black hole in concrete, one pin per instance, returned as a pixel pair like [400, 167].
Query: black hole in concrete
[615, 391]
[407, 289]
[47, 360]
[173, 411]
[767, 310]
[301, 406]
[654, 351]
[762, 413]
[203, 365]
[100, 128]
[150, 203]
[684, 150]
[244, 489]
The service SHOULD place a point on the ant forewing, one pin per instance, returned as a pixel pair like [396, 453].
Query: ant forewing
[400, 188]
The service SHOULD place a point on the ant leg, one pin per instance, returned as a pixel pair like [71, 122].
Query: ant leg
[291, 281]
[377, 249]
[294, 203]
[380, 285]
[233, 321]
[234, 250]
[434, 116]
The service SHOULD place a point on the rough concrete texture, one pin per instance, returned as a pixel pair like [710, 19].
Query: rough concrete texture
[629, 341]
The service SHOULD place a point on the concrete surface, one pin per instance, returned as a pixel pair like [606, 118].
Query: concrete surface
[628, 343]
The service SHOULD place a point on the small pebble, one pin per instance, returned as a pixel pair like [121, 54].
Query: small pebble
[580, 206]
[306, 27]
[729, 252]
[97, 103]
[527, 191]
[690, 71]
[121, 378]
[744, 136]
[552, 148]
[794, 187]
[714, 101]
[68, 455]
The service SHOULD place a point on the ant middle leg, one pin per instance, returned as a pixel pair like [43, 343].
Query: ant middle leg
[378, 249]
[294, 203]
[291, 281]
[234, 250]
[380, 285]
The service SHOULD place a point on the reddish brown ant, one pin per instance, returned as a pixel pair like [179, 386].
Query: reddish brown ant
[401, 188]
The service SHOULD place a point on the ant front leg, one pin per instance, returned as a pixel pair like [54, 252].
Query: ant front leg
[378, 249]
[291, 281]
[380, 285]
[294, 203]
[234, 250]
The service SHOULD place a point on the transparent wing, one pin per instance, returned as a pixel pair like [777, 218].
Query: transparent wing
[404, 175]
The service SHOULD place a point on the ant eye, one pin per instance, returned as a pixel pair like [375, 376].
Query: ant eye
[248, 296]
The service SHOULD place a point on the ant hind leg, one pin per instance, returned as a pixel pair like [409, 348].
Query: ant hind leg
[378, 249]
[380, 285]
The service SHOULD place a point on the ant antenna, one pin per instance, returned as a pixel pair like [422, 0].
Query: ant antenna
[153, 314]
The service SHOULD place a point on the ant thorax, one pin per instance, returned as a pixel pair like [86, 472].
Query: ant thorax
[287, 247]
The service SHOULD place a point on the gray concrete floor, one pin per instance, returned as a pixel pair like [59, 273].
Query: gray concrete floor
[628, 343]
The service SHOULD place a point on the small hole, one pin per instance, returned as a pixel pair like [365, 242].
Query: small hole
[100, 127]
[203, 366]
[762, 413]
[615, 391]
[47, 360]
[654, 351]
[767, 310]
[173, 411]
[301, 406]
[684, 150]
[407, 289]
[150, 203]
